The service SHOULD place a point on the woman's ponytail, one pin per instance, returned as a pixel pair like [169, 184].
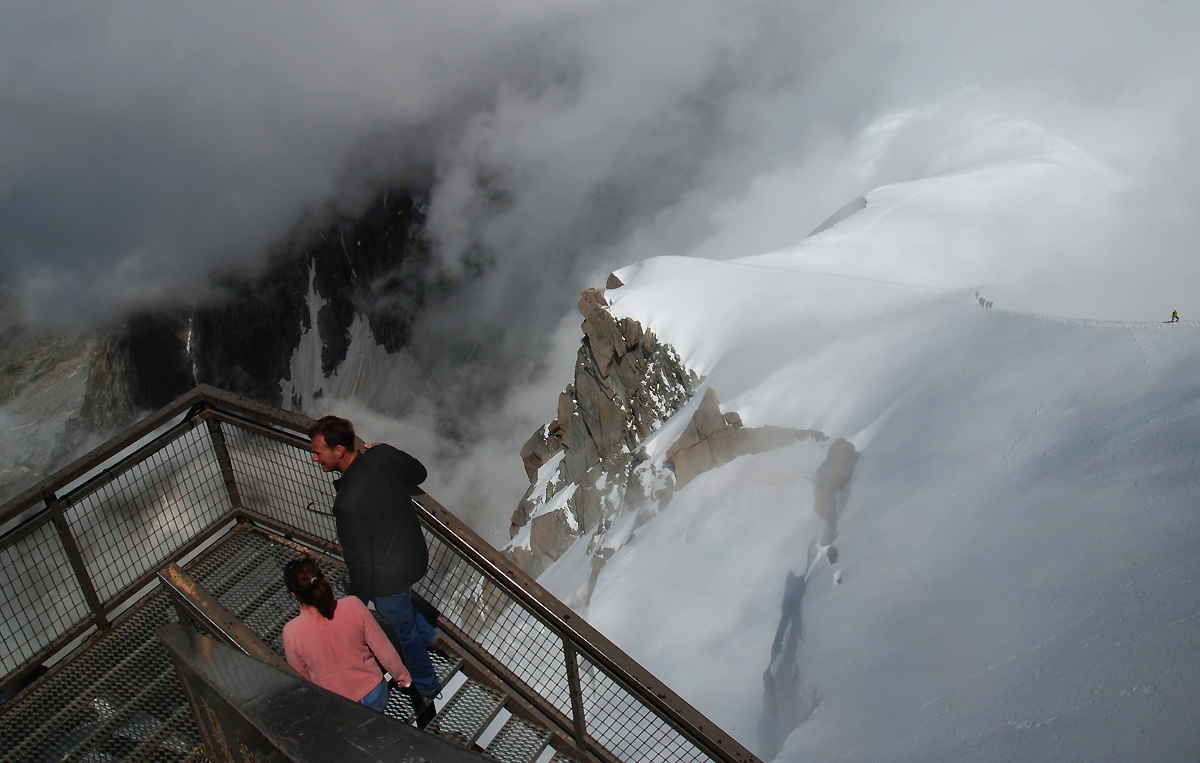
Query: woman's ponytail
[304, 578]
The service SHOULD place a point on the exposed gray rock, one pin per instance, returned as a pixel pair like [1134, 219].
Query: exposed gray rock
[713, 439]
[832, 477]
[138, 366]
[626, 384]
[43, 378]
[108, 402]
[588, 469]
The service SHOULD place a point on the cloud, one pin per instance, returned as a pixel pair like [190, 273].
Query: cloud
[142, 146]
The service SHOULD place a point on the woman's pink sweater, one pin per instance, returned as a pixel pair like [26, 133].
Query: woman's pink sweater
[336, 654]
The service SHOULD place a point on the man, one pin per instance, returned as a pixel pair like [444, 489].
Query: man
[381, 537]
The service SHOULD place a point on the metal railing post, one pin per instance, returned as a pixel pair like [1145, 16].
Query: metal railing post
[572, 663]
[225, 462]
[58, 516]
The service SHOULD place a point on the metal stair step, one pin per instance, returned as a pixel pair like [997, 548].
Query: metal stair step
[518, 741]
[117, 699]
[398, 706]
[468, 713]
[228, 568]
[445, 663]
[154, 736]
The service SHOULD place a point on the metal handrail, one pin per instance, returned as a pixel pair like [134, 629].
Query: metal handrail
[215, 407]
[266, 714]
[199, 606]
[202, 394]
[578, 634]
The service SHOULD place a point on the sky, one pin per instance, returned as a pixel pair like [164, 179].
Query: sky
[144, 146]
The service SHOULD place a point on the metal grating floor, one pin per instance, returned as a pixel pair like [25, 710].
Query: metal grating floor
[119, 699]
[467, 713]
[245, 573]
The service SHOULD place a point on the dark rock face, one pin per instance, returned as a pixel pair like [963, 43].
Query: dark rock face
[377, 264]
[159, 359]
[141, 365]
[108, 400]
[244, 345]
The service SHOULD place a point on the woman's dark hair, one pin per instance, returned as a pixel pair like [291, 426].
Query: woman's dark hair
[304, 578]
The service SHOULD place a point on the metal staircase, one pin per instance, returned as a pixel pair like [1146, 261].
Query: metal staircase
[229, 494]
[242, 574]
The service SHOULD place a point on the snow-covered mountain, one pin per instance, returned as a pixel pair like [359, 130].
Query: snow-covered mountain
[1009, 572]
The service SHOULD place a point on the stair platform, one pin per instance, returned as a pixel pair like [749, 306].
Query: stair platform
[118, 698]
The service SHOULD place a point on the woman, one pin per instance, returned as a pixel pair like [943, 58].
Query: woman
[334, 642]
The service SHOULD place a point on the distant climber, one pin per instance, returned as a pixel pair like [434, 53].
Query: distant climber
[1174, 317]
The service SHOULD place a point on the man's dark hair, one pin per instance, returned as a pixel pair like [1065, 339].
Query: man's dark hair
[335, 431]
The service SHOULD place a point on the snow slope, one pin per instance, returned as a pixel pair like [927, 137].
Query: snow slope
[1017, 576]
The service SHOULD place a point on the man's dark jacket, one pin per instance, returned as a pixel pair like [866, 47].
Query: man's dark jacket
[381, 536]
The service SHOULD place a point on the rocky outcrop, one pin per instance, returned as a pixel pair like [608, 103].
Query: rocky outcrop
[376, 264]
[590, 476]
[713, 439]
[832, 478]
[626, 384]
[108, 402]
[68, 392]
[138, 366]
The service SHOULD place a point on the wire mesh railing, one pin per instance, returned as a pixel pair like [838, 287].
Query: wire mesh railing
[67, 561]
[43, 601]
[125, 526]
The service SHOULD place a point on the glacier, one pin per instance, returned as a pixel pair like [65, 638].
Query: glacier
[1015, 576]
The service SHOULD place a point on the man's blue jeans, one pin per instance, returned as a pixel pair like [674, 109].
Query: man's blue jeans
[415, 634]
